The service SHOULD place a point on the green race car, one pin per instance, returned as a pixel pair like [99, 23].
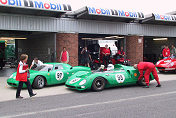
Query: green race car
[48, 74]
[120, 75]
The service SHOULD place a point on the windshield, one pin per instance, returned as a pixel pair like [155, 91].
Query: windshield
[44, 67]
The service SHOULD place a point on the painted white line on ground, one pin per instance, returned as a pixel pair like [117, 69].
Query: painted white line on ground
[86, 105]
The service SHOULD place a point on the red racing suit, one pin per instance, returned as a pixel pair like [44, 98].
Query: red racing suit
[166, 52]
[148, 67]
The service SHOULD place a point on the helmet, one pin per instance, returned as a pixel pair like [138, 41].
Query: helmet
[110, 67]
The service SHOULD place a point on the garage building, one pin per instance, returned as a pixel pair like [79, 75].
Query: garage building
[48, 27]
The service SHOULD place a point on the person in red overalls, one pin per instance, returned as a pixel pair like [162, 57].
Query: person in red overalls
[120, 53]
[22, 76]
[148, 67]
[166, 52]
[64, 57]
[106, 53]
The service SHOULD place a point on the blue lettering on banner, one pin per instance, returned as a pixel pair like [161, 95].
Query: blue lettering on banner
[38, 4]
[118, 13]
[164, 17]
[92, 10]
[99, 11]
[11, 2]
[59, 7]
[105, 12]
[53, 6]
[121, 13]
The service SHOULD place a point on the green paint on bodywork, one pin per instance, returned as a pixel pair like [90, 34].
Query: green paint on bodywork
[120, 76]
[51, 77]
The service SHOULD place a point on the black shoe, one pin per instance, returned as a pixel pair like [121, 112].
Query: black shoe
[146, 87]
[159, 85]
[19, 97]
[33, 95]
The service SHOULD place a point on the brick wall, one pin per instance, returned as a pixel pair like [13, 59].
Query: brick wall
[70, 41]
[134, 46]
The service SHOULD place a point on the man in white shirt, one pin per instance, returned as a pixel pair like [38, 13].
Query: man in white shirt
[36, 63]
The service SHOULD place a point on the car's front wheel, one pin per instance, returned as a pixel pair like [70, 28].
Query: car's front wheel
[39, 82]
[141, 82]
[98, 84]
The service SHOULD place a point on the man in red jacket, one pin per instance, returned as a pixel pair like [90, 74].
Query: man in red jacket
[148, 67]
[106, 53]
[166, 52]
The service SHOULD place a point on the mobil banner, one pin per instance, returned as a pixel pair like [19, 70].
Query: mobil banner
[36, 4]
[164, 17]
[116, 13]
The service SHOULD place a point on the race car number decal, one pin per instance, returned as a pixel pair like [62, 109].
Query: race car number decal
[59, 75]
[120, 78]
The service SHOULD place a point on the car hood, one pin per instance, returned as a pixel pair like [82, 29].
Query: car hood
[83, 74]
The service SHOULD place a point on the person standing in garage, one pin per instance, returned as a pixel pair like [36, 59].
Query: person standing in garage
[64, 57]
[166, 52]
[148, 67]
[173, 51]
[120, 53]
[106, 53]
[86, 57]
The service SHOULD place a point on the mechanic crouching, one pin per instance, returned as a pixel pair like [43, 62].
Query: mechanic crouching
[148, 67]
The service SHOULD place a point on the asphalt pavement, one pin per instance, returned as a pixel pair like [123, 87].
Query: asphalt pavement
[126, 102]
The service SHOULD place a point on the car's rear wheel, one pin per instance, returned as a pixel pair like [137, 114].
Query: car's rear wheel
[39, 82]
[98, 84]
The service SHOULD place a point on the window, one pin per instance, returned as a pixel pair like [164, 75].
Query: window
[58, 67]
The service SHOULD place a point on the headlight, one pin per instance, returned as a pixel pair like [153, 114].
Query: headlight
[158, 63]
[74, 80]
[11, 76]
[82, 82]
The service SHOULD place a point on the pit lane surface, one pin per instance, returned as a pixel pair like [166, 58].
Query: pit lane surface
[128, 102]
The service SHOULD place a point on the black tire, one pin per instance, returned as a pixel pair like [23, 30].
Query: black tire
[98, 84]
[141, 82]
[39, 82]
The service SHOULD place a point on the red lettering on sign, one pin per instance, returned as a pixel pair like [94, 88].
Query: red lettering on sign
[162, 17]
[3, 1]
[98, 11]
[46, 5]
[127, 14]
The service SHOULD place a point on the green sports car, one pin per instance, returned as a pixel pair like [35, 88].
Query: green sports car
[48, 74]
[120, 75]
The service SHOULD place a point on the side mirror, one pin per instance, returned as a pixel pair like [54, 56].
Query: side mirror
[49, 69]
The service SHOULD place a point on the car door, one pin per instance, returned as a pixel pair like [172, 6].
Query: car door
[58, 75]
[119, 77]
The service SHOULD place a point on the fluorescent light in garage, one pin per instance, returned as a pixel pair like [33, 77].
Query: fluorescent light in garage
[116, 37]
[11, 38]
[86, 38]
[160, 39]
